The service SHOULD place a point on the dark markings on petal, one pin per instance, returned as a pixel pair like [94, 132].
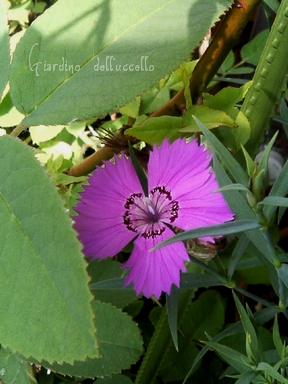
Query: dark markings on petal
[153, 233]
[163, 191]
[131, 200]
[174, 210]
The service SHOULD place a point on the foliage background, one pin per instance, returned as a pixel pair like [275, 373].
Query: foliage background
[63, 320]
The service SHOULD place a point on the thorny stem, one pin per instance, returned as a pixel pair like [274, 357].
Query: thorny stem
[224, 40]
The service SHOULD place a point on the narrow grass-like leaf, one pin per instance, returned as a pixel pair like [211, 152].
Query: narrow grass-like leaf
[247, 377]
[261, 318]
[252, 342]
[233, 187]
[230, 162]
[213, 230]
[45, 310]
[284, 114]
[242, 210]
[273, 4]
[277, 338]
[267, 369]
[197, 280]
[276, 201]
[115, 283]
[237, 254]
[172, 303]
[4, 48]
[283, 273]
[233, 357]
[139, 170]
[257, 299]
[279, 188]
[90, 61]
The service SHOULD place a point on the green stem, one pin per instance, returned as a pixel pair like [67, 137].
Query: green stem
[269, 81]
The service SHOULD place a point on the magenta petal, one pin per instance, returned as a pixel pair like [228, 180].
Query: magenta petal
[100, 211]
[154, 272]
[203, 207]
[179, 166]
[184, 170]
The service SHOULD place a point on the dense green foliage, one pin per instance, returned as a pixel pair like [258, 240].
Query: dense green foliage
[72, 75]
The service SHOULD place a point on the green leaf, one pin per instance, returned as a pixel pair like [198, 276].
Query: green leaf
[4, 48]
[241, 209]
[283, 273]
[108, 270]
[279, 188]
[9, 116]
[101, 50]
[115, 379]
[252, 345]
[120, 345]
[43, 133]
[209, 305]
[13, 370]
[131, 109]
[273, 4]
[261, 318]
[226, 99]
[177, 363]
[276, 337]
[196, 280]
[212, 118]
[156, 129]
[284, 114]
[172, 313]
[213, 230]
[142, 176]
[276, 201]
[250, 164]
[45, 307]
[237, 253]
[252, 51]
[225, 156]
[247, 377]
[239, 361]
[267, 369]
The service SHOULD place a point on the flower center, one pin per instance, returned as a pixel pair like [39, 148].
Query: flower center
[147, 215]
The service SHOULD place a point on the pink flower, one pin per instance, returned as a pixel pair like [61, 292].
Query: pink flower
[114, 210]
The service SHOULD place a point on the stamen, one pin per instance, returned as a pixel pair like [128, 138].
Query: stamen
[148, 215]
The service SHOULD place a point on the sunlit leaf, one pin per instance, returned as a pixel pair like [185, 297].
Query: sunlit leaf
[90, 61]
[156, 129]
[4, 48]
[212, 118]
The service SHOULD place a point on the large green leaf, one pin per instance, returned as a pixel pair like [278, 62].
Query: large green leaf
[209, 306]
[45, 310]
[13, 370]
[71, 69]
[4, 48]
[120, 345]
